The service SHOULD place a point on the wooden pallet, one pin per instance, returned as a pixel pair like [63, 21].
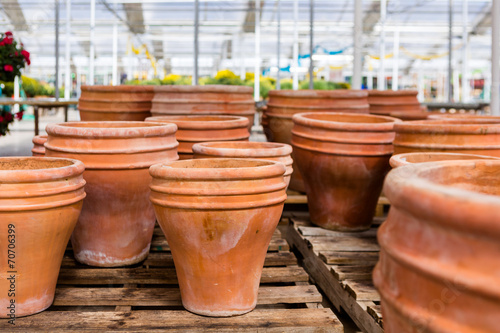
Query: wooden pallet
[146, 298]
[341, 264]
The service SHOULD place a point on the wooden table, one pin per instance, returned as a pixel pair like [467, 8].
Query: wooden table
[41, 103]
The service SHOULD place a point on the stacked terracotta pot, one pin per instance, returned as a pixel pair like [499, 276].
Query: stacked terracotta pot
[204, 100]
[402, 104]
[283, 104]
[115, 103]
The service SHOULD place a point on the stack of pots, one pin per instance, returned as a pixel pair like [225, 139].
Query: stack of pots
[115, 103]
[475, 135]
[38, 145]
[204, 128]
[402, 104]
[204, 100]
[438, 269]
[343, 158]
[116, 225]
[283, 104]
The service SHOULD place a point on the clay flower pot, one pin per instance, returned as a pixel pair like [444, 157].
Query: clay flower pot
[115, 103]
[385, 102]
[343, 159]
[319, 98]
[117, 220]
[408, 116]
[468, 136]
[40, 201]
[218, 216]
[38, 148]
[279, 152]
[412, 158]
[204, 100]
[462, 117]
[195, 129]
[438, 269]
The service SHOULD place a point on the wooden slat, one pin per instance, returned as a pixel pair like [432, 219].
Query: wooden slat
[172, 297]
[320, 232]
[96, 276]
[362, 290]
[288, 320]
[349, 258]
[352, 272]
[376, 312]
[347, 244]
[164, 259]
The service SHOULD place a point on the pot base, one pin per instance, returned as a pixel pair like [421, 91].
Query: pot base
[340, 227]
[100, 259]
[208, 313]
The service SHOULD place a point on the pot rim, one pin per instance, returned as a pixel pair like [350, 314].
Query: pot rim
[73, 167]
[115, 129]
[232, 169]
[159, 100]
[110, 101]
[216, 88]
[118, 89]
[384, 105]
[385, 124]
[392, 93]
[323, 94]
[402, 189]
[313, 107]
[248, 149]
[116, 110]
[399, 160]
[201, 121]
[39, 139]
[455, 126]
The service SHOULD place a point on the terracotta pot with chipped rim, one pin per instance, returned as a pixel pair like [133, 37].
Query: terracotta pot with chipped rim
[438, 269]
[115, 103]
[224, 100]
[343, 159]
[412, 158]
[218, 216]
[117, 220]
[201, 128]
[272, 151]
[40, 201]
[38, 148]
[468, 136]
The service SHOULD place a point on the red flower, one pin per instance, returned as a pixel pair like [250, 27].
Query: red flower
[19, 115]
[2, 43]
[8, 68]
[1, 119]
[26, 56]
[8, 117]
[7, 41]
[15, 53]
[8, 33]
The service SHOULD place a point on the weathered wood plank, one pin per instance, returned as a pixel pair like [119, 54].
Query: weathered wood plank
[172, 297]
[362, 290]
[346, 244]
[99, 276]
[376, 312]
[352, 272]
[349, 258]
[320, 232]
[288, 320]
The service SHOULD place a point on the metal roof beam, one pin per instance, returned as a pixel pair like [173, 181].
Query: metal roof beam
[15, 14]
[135, 17]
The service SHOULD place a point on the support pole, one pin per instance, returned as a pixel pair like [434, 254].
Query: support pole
[395, 62]
[115, 51]
[465, 52]
[67, 61]
[92, 43]
[495, 57]
[311, 44]
[57, 51]
[450, 51]
[381, 70]
[358, 44]
[256, 86]
[456, 85]
[278, 63]
[296, 44]
[241, 56]
[196, 50]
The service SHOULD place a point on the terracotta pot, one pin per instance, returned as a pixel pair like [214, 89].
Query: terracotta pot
[408, 116]
[382, 109]
[196, 129]
[40, 201]
[278, 152]
[218, 216]
[343, 158]
[205, 100]
[318, 98]
[391, 97]
[412, 158]
[438, 269]
[115, 103]
[117, 220]
[454, 136]
[463, 117]
[38, 148]
[291, 110]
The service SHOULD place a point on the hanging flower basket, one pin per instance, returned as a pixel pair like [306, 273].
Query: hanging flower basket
[13, 57]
